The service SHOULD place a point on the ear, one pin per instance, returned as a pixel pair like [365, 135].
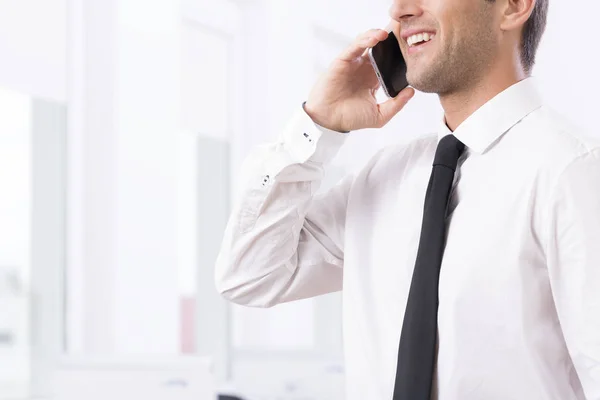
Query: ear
[516, 13]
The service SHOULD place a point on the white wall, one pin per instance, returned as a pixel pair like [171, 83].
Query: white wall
[48, 215]
[33, 46]
[15, 236]
[124, 94]
[147, 122]
[15, 182]
[567, 68]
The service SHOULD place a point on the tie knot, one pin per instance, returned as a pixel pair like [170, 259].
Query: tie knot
[448, 151]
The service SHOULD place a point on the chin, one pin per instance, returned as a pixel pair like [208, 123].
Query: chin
[421, 83]
[431, 80]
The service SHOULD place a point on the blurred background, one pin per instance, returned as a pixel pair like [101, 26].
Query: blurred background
[123, 125]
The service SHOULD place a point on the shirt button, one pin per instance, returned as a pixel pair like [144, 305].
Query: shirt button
[307, 136]
[266, 180]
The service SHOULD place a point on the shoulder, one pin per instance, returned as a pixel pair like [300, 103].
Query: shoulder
[558, 139]
[544, 144]
[557, 153]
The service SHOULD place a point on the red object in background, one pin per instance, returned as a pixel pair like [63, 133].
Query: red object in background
[187, 307]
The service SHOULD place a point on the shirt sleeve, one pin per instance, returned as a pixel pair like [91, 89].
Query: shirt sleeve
[574, 265]
[282, 242]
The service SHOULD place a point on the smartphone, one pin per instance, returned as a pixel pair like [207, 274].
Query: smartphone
[389, 65]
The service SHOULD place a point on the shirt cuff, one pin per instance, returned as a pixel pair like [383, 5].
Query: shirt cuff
[306, 141]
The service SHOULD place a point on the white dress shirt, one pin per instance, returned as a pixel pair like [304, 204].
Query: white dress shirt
[519, 294]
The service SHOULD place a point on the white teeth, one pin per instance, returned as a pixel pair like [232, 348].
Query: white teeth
[418, 38]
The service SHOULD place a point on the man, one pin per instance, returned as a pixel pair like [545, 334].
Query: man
[506, 190]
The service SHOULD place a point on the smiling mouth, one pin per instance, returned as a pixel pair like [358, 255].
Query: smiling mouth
[419, 39]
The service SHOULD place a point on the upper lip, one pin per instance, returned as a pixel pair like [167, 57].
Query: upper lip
[409, 32]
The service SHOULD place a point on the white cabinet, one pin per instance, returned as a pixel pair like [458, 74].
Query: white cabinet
[140, 377]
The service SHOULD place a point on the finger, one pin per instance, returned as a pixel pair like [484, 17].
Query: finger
[362, 43]
[390, 108]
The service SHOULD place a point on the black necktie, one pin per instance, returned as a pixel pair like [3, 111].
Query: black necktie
[416, 354]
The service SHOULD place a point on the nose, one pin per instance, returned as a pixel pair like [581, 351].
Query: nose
[405, 9]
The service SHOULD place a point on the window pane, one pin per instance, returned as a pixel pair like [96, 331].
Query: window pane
[205, 78]
[15, 240]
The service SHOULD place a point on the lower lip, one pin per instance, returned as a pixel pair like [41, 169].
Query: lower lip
[419, 48]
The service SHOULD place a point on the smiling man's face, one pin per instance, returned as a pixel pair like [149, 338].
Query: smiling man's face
[447, 44]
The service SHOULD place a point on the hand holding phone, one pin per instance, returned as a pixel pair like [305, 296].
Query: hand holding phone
[389, 65]
[343, 99]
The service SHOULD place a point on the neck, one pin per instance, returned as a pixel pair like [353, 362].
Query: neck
[459, 105]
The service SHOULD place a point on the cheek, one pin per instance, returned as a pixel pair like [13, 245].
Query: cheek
[450, 15]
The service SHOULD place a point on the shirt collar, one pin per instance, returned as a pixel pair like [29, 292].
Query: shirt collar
[496, 117]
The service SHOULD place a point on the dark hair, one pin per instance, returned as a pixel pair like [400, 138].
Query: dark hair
[532, 33]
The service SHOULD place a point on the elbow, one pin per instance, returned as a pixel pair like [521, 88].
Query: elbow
[243, 296]
[238, 289]
[235, 297]
[241, 279]
[224, 285]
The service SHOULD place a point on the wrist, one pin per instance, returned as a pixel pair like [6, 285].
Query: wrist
[321, 121]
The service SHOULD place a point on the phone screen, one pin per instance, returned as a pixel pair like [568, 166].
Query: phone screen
[389, 65]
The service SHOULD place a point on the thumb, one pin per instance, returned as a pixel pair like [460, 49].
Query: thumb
[390, 108]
